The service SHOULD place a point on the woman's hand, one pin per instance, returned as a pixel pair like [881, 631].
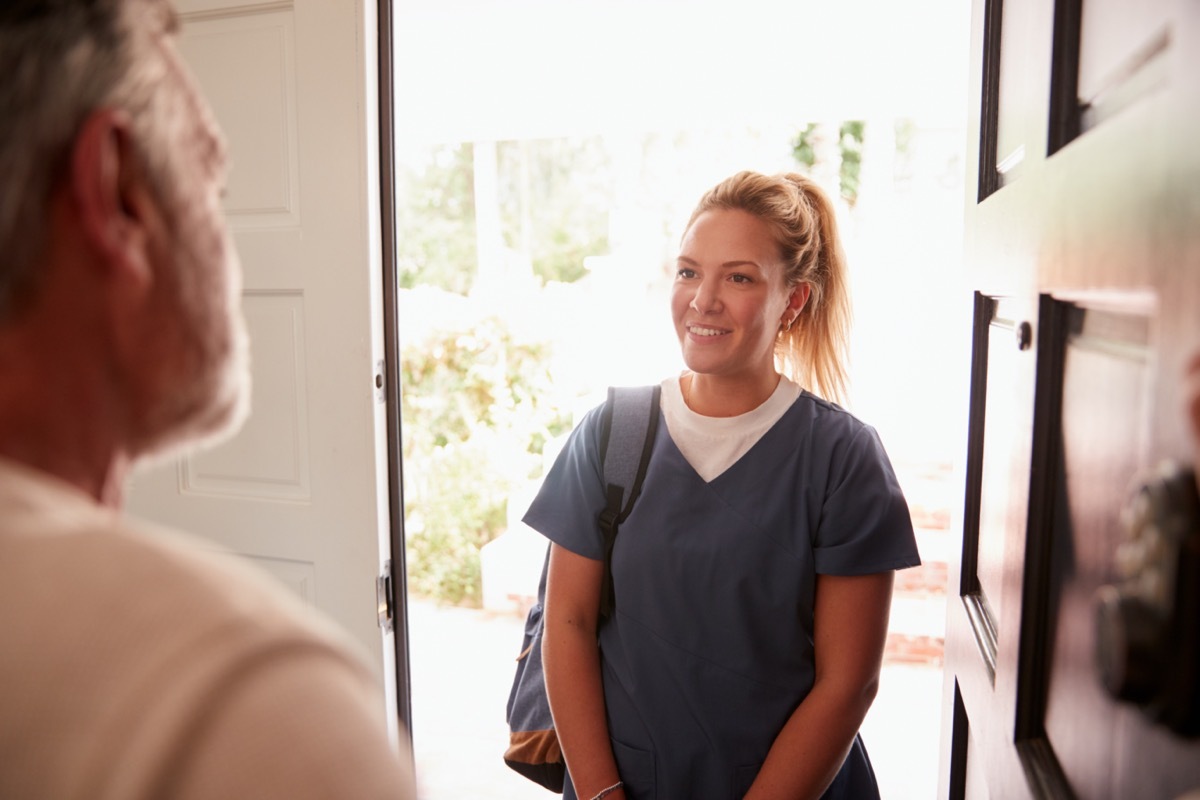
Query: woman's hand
[850, 630]
[571, 659]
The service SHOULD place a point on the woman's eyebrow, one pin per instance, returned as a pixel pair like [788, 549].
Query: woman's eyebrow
[745, 262]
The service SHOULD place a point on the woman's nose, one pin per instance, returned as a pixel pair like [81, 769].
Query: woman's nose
[707, 297]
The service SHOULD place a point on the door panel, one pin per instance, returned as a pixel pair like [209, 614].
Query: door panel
[1120, 53]
[983, 632]
[1008, 388]
[1096, 370]
[301, 490]
[1012, 25]
[1097, 246]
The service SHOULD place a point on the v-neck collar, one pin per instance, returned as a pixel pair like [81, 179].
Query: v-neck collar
[750, 455]
[711, 446]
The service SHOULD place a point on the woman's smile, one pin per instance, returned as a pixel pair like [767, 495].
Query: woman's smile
[705, 332]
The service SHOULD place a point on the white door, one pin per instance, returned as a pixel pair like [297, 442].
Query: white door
[302, 489]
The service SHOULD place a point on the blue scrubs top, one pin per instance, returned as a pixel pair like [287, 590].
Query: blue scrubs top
[710, 648]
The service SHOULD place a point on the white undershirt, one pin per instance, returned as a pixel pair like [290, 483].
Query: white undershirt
[714, 444]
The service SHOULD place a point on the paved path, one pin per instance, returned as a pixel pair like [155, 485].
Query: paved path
[462, 669]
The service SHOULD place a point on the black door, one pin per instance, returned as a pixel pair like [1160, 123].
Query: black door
[1083, 244]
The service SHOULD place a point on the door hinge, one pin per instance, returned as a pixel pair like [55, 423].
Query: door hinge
[384, 597]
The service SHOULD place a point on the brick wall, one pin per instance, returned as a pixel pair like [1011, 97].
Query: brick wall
[917, 631]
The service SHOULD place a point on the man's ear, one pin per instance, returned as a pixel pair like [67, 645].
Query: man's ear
[117, 209]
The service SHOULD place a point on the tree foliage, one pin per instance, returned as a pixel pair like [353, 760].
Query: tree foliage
[435, 220]
[850, 149]
[475, 419]
[555, 195]
[850, 142]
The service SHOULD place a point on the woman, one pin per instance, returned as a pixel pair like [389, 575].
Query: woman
[753, 578]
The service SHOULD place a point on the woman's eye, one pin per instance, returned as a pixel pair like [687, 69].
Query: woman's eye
[685, 272]
[738, 278]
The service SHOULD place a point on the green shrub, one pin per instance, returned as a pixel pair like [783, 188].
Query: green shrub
[476, 412]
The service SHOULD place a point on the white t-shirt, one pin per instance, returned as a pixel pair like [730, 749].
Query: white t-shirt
[138, 663]
[714, 444]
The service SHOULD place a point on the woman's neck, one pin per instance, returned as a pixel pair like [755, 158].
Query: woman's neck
[722, 396]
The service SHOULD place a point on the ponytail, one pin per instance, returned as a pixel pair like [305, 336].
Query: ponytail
[814, 351]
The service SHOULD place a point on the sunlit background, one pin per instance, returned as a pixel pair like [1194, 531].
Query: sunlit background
[548, 154]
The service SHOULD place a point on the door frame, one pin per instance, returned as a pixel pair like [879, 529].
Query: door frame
[394, 587]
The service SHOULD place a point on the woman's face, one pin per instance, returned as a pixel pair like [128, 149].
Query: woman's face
[729, 299]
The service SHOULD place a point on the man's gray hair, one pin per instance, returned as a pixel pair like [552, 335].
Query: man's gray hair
[60, 60]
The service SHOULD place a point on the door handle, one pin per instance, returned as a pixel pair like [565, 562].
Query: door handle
[1148, 620]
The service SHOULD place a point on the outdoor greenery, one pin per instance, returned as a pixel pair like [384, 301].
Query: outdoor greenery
[555, 195]
[475, 418]
[804, 148]
[474, 398]
[850, 148]
[435, 219]
[850, 142]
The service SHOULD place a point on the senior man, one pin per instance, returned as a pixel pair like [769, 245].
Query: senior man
[135, 662]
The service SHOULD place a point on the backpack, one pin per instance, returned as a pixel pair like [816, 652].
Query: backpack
[628, 423]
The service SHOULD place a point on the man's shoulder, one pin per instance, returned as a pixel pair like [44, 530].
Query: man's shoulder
[202, 582]
[125, 637]
[117, 582]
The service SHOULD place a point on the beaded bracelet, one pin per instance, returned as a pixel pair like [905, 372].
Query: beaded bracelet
[609, 790]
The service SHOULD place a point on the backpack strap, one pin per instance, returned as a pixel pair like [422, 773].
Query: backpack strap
[628, 424]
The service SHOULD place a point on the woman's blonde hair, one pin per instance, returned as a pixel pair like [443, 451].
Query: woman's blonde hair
[813, 350]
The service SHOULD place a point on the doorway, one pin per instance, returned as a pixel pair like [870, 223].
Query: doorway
[546, 159]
